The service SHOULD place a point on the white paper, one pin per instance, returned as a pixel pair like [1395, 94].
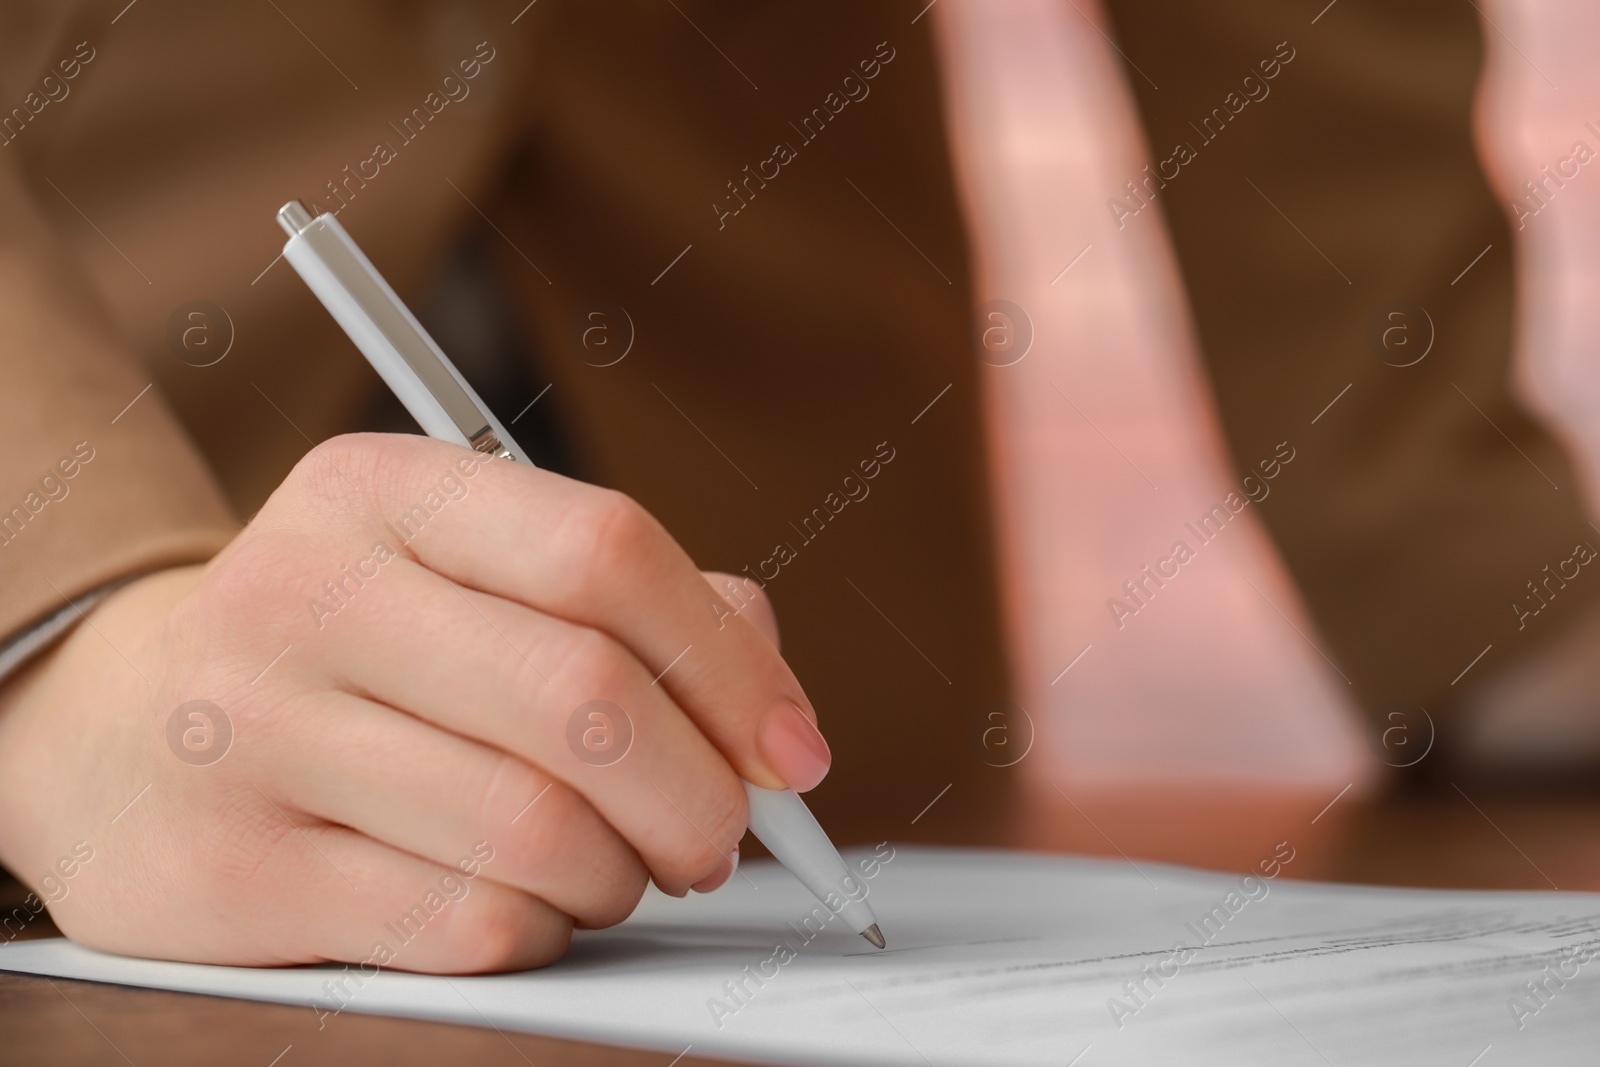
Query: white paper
[1001, 958]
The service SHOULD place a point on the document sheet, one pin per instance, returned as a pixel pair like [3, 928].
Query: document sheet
[1004, 958]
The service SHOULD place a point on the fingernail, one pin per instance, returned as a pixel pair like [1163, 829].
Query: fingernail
[793, 746]
[706, 885]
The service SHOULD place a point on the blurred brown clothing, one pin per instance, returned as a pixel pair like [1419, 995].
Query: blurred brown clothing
[786, 323]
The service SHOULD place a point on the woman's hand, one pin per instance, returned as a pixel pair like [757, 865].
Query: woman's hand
[426, 706]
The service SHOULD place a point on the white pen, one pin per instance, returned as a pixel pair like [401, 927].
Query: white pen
[439, 398]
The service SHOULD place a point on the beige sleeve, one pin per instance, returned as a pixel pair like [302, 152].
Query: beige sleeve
[97, 481]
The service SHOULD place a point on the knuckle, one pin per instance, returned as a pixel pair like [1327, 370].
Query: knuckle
[247, 581]
[561, 834]
[514, 659]
[506, 931]
[612, 532]
[509, 786]
[251, 599]
[593, 665]
[537, 840]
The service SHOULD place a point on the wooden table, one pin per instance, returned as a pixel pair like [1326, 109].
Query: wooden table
[1442, 839]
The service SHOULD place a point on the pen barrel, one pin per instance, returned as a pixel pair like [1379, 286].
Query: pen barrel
[782, 822]
[403, 353]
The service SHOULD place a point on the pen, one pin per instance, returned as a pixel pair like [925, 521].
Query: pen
[444, 404]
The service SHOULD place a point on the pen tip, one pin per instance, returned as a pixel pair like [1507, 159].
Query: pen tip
[875, 935]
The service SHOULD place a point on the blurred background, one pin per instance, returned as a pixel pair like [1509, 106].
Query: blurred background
[1163, 430]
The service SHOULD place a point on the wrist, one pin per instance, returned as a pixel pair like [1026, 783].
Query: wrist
[67, 709]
